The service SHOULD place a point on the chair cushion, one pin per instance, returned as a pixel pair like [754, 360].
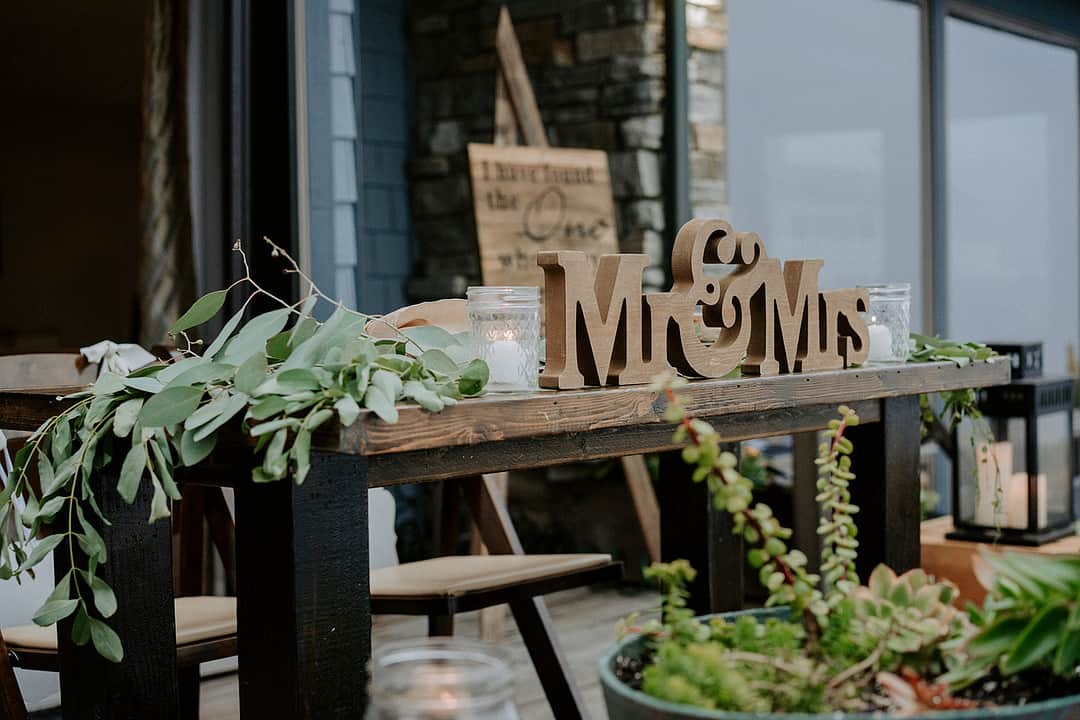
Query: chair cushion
[197, 619]
[460, 574]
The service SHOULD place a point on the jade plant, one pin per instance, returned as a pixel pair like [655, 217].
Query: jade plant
[280, 375]
[896, 643]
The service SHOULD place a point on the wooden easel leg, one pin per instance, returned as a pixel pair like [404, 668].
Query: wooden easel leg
[531, 616]
[492, 619]
[646, 507]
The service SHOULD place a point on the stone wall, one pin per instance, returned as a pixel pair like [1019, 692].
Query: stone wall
[597, 68]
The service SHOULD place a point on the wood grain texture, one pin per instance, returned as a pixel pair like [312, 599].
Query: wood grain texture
[519, 89]
[303, 609]
[528, 199]
[523, 415]
[886, 465]
[640, 486]
[140, 572]
[529, 452]
[539, 414]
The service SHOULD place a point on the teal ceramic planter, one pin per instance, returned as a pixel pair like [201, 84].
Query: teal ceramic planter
[624, 703]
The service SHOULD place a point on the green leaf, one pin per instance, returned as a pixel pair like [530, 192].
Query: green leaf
[277, 347]
[267, 407]
[251, 374]
[80, 628]
[274, 426]
[193, 451]
[104, 597]
[164, 472]
[1037, 640]
[131, 473]
[48, 511]
[224, 335]
[43, 548]
[376, 400]
[54, 611]
[235, 403]
[425, 398]
[429, 337]
[171, 372]
[1068, 655]
[170, 406]
[91, 541]
[108, 383]
[348, 410]
[473, 378]
[301, 452]
[46, 475]
[388, 382]
[253, 336]
[297, 380]
[144, 384]
[207, 372]
[61, 441]
[996, 640]
[302, 331]
[439, 362]
[275, 462]
[106, 641]
[159, 504]
[202, 310]
[126, 415]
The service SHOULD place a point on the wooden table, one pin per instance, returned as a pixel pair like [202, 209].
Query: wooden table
[302, 552]
[953, 559]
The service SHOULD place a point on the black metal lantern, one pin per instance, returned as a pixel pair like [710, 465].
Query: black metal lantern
[1021, 481]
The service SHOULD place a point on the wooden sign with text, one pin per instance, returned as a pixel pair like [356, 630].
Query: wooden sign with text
[532, 199]
[771, 318]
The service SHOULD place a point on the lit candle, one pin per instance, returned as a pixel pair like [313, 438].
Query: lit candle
[507, 361]
[880, 344]
[1016, 502]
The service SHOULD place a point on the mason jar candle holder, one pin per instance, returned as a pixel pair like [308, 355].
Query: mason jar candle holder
[888, 319]
[505, 327]
[441, 679]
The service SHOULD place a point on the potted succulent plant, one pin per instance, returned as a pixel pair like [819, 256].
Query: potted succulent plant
[830, 646]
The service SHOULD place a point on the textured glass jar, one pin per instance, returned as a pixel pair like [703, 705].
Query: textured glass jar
[889, 320]
[440, 679]
[505, 326]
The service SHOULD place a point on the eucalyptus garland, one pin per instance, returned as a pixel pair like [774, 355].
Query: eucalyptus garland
[282, 374]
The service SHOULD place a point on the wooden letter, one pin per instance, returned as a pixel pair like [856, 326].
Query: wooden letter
[590, 326]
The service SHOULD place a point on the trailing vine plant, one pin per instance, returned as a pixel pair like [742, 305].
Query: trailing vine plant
[282, 374]
[843, 639]
[957, 406]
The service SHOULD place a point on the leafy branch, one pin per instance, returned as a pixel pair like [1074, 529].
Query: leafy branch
[281, 375]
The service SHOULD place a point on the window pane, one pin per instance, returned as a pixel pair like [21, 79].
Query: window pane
[1012, 189]
[824, 133]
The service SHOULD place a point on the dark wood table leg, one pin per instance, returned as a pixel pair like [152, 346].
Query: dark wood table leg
[531, 615]
[886, 487]
[304, 608]
[804, 447]
[139, 569]
[692, 529]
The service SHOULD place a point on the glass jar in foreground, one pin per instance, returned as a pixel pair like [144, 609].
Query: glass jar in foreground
[440, 679]
[888, 318]
[505, 326]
